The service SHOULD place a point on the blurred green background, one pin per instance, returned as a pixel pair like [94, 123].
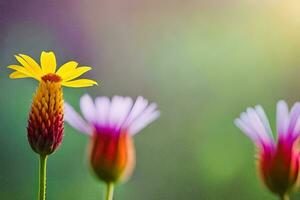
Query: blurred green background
[202, 61]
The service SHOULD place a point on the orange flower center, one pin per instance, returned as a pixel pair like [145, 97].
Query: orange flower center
[51, 77]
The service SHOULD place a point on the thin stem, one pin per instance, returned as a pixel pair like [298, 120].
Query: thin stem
[109, 191]
[42, 177]
[285, 197]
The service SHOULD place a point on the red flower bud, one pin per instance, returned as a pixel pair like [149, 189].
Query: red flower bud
[280, 169]
[45, 123]
[112, 155]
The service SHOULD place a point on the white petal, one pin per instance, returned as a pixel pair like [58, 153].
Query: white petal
[264, 119]
[258, 126]
[146, 117]
[87, 107]
[102, 110]
[296, 131]
[124, 111]
[294, 116]
[138, 107]
[75, 120]
[282, 118]
[247, 122]
[247, 131]
[114, 112]
[142, 122]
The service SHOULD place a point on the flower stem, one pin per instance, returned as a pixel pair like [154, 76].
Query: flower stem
[109, 191]
[285, 197]
[42, 177]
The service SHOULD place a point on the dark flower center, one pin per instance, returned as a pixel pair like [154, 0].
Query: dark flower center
[51, 77]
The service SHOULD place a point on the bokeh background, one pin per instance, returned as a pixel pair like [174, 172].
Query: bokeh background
[202, 61]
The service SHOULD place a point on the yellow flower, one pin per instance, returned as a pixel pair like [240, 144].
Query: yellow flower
[45, 121]
[45, 127]
[66, 73]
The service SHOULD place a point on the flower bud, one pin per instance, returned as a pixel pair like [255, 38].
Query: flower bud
[280, 169]
[45, 123]
[112, 155]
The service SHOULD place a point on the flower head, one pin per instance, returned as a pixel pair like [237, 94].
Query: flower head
[111, 125]
[47, 70]
[45, 123]
[278, 161]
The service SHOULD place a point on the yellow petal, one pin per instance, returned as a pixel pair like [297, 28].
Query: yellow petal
[48, 62]
[17, 74]
[22, 61]
[33, 64]
[21, 69]
[80, 83]
[66, 68]
[75, 73]
[28, 68]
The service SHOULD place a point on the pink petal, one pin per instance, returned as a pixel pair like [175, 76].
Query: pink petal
[145, 118]
[88, 109]
[138, 107]
[102, 110]
[75, 120]
[282, 118]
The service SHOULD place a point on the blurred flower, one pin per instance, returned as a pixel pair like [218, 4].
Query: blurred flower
[278, 162]
[111, 125]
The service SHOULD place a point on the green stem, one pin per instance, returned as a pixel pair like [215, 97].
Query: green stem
[42, 177]
[109, 191]
[285, 197]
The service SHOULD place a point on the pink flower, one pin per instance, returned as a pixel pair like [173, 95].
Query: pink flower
[111, 125]
[278, 162]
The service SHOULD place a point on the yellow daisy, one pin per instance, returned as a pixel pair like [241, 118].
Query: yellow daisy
[45, 127]
[65, 74]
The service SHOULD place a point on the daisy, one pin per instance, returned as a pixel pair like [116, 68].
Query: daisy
[278, 160]
[111, 124]
[45, 123]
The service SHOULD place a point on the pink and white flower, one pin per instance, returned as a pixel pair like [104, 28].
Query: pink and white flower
[111, 125]
[278, 160]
